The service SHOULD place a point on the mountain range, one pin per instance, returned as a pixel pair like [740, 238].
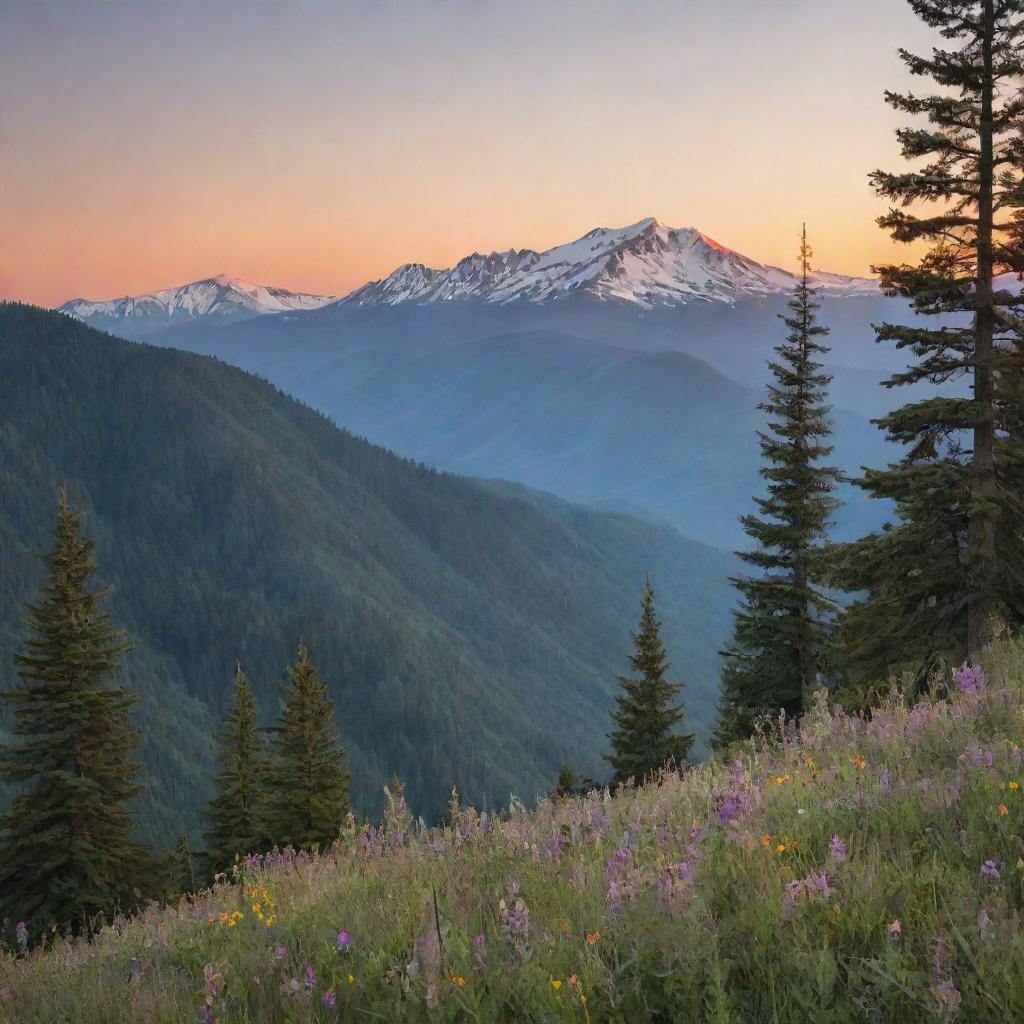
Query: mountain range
[222, 299]
[645, 264]
[469, 634]
[623, 369]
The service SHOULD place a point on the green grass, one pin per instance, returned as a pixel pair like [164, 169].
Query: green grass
[731, 903]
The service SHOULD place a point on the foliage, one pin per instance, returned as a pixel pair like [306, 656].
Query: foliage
[306, 779]
[235, 812]
[865, 869]
[780, 626]
[946, 578]
[67, 845]
[647, 718]
[469, 631]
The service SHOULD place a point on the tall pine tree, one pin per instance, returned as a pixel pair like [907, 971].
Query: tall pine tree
[780, 626]
[235, 814]
[306, 774]
[946, 578]
[67, 851]
[647, 718]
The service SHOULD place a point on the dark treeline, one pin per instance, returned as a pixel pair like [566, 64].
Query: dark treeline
[945, 579]
[69, 848]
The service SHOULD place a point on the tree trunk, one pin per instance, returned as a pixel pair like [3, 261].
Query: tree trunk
[984, 621]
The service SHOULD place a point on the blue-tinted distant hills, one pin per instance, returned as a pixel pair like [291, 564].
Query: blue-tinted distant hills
[623, 369]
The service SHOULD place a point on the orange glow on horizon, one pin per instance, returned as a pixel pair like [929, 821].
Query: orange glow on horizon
[316, 146]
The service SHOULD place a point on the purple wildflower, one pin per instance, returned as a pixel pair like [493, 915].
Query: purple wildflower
[344, 942]
[991, 870]
[21, 933]
[969, 678]
[619, 861]
[837, 848]
[280, 953]
[979, 758]
[330, 999]
[310, 976]
[614, 898]
[817, 882]
[729, 809]
[515, 921]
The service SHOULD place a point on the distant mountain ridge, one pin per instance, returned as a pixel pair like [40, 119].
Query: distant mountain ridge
[223, 298]
[646, 264]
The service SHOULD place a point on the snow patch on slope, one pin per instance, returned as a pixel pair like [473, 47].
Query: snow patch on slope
[645, 264]
[221, 296]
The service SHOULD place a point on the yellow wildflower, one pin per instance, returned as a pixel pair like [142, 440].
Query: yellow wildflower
[1013, 785]
[781, 848]
[457, 979]
[351, 979]
[556, 983]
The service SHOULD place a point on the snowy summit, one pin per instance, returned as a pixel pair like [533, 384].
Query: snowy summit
[223, 296]
[646, 264]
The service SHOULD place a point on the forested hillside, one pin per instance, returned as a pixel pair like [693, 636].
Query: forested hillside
[468, 636]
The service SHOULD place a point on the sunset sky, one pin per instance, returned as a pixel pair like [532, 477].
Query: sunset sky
[316, 145]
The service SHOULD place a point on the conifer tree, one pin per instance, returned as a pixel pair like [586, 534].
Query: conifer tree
[67, 851]
[946, 578]
[567, 783]
[647, 719]
[235, 812]
[780, 626]
[571, 783]
[179, 870]
[306, 776]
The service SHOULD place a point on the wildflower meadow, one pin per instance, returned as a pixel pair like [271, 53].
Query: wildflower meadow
[862, 869]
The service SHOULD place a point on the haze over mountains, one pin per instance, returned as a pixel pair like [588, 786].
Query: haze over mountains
[469, 635]
[622, 369]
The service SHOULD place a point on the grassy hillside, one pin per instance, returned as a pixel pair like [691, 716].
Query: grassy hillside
[467, 637]
[865, 870]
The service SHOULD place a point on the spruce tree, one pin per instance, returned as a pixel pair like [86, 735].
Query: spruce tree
[647, 719]
[234, 814]
[567, 784]
[945, 579]
[780, 626]
[306, 775]
[67, 851]
[179, 870]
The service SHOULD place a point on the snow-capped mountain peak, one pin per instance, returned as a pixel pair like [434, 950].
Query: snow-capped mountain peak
[646, 264]
[223, 296]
